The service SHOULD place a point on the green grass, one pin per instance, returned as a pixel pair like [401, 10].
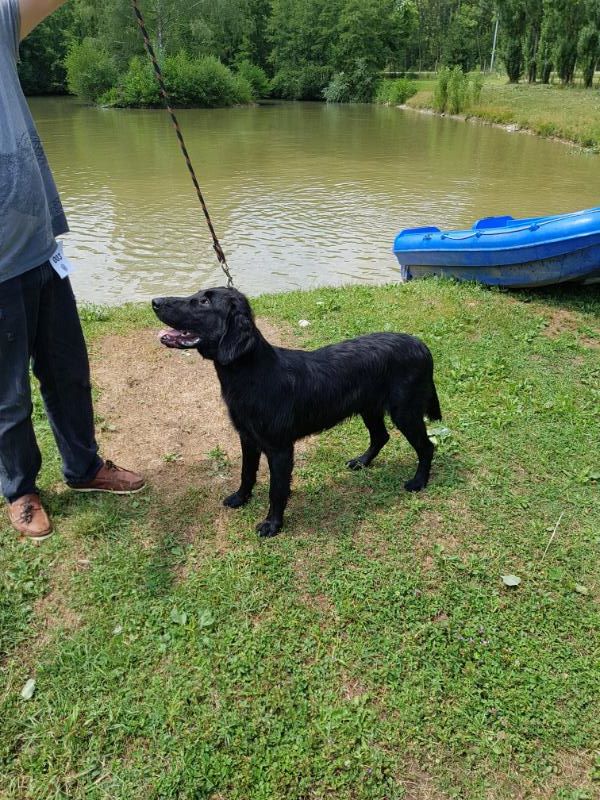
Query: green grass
[570, 113]
[371, 650]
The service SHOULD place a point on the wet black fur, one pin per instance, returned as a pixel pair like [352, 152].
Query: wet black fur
[276, 396]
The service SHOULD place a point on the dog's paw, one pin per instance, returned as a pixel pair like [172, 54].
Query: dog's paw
[236, 500]
[356, 463]
[415, 485]
[268, 529]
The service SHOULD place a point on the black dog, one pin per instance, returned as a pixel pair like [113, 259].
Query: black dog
[276, 396]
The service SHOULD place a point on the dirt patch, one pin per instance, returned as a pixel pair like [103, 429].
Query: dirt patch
[450, 530]
[161, 410]
[419, 785]
[319, 603]
[563, 321]
[587, 341]
[451, 527]
[352, 688]
[314, 564]
[572, 776]
[573, 772]
[52, 611]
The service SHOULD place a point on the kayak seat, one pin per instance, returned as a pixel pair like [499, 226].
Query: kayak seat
[430, 229]
[492, 222]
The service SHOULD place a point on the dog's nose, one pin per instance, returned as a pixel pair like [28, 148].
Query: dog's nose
[157, 303]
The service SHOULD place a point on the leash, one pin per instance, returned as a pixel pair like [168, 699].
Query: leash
[163, 90]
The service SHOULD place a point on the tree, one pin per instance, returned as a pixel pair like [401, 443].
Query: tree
[405, 23]
[112, 24]
[588, 51]
[365, 31]
[588, 46]
[512, 20]
[303, 43]
[563, 20]
[534, 15]
[42, 69]
[254, 46]
[468, 40]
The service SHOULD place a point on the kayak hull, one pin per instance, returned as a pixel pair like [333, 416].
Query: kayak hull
[501, 251]
[582, 266]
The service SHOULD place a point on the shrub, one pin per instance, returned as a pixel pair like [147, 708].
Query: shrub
[363, 82]
[477, 80]
[455, 91]
[285, 85]
[244, 91]
[338, 89]
[312, 79]
[440, 93]
[112, 97]
[305, 83]
[395, 92]
[204, 82]
[138, 87]
[198, 82]
[256, 77]
[183, 79]
[357, 86]
[90, 70]
[458, 91]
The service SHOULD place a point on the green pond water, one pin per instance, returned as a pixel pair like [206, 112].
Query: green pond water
[301, 194]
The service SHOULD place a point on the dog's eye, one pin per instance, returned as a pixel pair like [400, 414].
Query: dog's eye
[204, 301]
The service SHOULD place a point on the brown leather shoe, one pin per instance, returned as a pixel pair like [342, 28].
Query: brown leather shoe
[29, 518]
[113, 479]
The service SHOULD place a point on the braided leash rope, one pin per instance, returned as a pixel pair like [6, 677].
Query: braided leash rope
[163, 90]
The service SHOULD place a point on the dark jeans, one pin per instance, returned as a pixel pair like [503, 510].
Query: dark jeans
[39, 323]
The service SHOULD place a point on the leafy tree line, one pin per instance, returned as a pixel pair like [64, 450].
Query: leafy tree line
[300, 49]
[542, 36]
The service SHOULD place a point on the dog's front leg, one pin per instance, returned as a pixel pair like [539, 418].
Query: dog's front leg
[250, 460]
[281, 463]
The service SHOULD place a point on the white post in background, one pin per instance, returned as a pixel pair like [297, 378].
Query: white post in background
[494, 46]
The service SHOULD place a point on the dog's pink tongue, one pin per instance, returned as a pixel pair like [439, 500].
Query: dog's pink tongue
[169, 337]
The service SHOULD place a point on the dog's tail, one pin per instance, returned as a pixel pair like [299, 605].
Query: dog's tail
[434, 412]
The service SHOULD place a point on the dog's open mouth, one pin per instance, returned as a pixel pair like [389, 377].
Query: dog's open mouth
[178, 339]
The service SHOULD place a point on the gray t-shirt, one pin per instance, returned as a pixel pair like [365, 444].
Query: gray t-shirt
[31, 214]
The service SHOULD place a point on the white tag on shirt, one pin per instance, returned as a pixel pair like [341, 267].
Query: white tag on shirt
[60, 263]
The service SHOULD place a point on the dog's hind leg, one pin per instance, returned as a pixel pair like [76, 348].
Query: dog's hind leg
[281, 464]
[379, 437]
[412, 425]
[250, 461]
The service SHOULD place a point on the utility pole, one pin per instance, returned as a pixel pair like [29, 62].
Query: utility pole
[494, 46]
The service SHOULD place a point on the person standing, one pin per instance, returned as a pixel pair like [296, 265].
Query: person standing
[39, 322]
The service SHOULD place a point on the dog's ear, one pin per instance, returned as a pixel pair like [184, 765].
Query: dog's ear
[240, 333]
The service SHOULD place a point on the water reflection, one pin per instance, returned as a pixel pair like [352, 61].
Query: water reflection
[301, 194]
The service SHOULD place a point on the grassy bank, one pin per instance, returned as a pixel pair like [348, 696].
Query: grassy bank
[572, 114]
[371, 650]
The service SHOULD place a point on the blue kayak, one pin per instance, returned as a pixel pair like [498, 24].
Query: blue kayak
[502, 251]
